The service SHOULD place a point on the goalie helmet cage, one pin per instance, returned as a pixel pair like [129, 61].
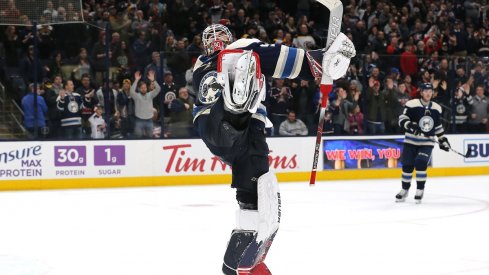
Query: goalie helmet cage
[38, 13]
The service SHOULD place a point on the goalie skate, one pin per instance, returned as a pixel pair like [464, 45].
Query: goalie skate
[402, 195]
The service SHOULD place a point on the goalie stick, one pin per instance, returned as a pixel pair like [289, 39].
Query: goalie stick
[335, 8]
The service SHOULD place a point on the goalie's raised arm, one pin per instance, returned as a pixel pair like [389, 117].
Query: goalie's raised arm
[336, 59]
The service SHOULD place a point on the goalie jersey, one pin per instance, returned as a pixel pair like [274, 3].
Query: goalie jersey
[276, 60]
[428, 117]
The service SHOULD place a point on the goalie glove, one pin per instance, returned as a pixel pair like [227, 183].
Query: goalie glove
[444, 144]
[413, 128]
[336, 60]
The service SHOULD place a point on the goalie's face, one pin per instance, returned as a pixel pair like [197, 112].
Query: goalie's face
[215, 38]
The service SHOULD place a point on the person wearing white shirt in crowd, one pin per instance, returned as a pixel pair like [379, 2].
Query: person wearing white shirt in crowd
[97, 123]
[143, 102]
[292, 126]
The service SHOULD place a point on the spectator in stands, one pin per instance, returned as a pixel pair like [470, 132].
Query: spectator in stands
[50, 96]
[409, 62]
[121, 24]
[57, 84]
[279, 103]
[99, 57]
[50, 13]
[305, 96]
[97, 123]
[11, 43]
[304, 40]
[87, 89]
[391, 94]
[154, 66]
[195, 48]
[70, 104]
[27, 67]
[411, 90]
[478, 122]
[292, 126]
[141, 49]
[441, 94]
[125, 108]
[355, 121]
[83, 65]
[462, 101]
[124, 60]
[460, 47]
[54, 66]
[143, 102]
[169, 92]
[340, 108]
[140, 24]
[11, 13]
[290, 25]
[179, 63]
[375, 108]
[29, 115]
[181, 125]
[399, 101]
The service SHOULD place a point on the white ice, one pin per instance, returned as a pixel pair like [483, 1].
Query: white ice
[342, 227]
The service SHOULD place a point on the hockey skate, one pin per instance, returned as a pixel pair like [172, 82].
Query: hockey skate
[418, 196]
[402, 195]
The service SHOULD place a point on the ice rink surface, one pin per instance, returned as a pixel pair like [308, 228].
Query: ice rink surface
[341, 227]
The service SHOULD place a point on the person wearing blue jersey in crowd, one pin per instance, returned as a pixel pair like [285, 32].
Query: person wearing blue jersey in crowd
[421, 119]
[230, 119]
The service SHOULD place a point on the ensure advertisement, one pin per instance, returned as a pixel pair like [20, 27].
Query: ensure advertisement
[25, 161]
[361, 154]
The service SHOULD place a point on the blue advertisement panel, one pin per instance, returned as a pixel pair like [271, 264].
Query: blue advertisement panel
[361, 154]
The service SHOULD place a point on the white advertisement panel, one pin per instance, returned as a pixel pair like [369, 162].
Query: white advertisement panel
[476, 145]
[133, 158]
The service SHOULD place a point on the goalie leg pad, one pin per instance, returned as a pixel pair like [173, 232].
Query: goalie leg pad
[269, 205]
[255, 229]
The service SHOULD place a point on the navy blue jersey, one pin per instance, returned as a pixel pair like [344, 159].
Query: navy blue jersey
[276, 60]
[427, 116]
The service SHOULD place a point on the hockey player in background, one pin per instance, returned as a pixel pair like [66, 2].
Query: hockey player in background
[230, 119]
[421, 119]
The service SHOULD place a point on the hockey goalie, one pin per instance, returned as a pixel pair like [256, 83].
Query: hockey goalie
[231, 120]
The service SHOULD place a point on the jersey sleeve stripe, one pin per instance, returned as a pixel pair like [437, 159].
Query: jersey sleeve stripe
[281, 62]
[289, 63]
[297, 63]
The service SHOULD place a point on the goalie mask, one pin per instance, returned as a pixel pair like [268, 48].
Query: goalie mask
[240, 75]
[215, 38]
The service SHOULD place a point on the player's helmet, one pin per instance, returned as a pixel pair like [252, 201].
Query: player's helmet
[426, 86]
[215, 38]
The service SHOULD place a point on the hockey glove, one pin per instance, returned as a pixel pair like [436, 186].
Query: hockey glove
[413, 128]
[336, 60]
[444, 144]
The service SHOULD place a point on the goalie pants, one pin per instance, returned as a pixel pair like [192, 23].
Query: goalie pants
[239, 140]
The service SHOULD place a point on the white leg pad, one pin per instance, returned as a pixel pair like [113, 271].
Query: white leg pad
[269, 206]
[247, 219]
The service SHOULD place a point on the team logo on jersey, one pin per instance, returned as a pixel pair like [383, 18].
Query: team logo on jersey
[209, 89]
[460, 109]
[426, 123]
[73, 107]
[169, 96]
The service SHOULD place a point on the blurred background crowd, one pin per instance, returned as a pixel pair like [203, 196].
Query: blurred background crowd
[399, 45]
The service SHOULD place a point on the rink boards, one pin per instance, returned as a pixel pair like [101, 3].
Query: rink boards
[120, 163]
